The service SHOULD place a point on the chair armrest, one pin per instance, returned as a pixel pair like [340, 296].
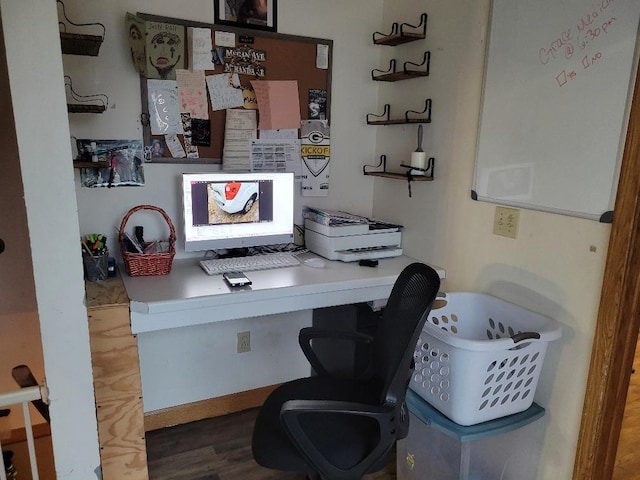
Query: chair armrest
[307, 334]
[289, 415]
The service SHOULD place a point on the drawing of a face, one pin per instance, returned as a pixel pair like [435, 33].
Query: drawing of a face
[136, 44]
[164, 53]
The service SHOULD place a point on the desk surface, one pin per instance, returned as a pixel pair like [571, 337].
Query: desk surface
[187, 287]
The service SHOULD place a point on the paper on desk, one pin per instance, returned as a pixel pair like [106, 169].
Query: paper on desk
[192, 92]
[164, 110]
[225, 91]
[278, 103]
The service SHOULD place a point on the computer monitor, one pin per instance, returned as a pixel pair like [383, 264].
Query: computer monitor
[227, 210]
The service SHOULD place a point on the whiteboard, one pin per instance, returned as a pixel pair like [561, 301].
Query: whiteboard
[558, 75]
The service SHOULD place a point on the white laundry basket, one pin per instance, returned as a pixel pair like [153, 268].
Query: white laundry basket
[479, 358]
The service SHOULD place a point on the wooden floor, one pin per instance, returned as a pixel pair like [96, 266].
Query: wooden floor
[627, 465]
[216, 449]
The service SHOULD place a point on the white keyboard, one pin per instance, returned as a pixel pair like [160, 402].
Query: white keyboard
[215, 266]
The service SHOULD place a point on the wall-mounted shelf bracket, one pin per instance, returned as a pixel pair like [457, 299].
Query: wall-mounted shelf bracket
[410, 175]
[390, 75]
[410, 116]
[398, 34]
[76, 43]
[88, 103]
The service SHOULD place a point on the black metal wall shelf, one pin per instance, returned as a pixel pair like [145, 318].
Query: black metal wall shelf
[409, 176]
[391, 75]
[76, 43]
[88, 103]
[398, 35]
[410, 116]
[79, 164]
[427, 177]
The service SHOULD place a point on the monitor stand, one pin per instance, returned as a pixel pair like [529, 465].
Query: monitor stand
[234, 252]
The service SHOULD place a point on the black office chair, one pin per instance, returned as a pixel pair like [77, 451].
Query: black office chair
[334, 428]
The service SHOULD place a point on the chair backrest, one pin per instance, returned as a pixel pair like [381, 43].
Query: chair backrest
[404, 316]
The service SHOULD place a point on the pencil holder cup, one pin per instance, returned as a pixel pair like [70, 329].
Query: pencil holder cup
[96, 267]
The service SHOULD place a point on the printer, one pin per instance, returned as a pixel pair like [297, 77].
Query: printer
[350, 238]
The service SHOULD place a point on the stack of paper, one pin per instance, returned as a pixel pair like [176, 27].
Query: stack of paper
[241, 127]
[332, 218]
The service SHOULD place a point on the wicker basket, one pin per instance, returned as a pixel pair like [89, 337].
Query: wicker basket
[142, 264]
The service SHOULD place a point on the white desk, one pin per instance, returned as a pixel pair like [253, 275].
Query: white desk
[176, 300]
[187, 345]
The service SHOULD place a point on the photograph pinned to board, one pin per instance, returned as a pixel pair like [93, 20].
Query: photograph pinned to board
[189, 147]
[317, 104]
[155, 149]
[258, 14]
[316, 157]
[123, 158]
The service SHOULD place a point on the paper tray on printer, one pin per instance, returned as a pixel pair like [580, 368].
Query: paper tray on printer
[368, 253]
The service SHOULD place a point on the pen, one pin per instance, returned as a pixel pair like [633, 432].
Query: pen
[86, 247]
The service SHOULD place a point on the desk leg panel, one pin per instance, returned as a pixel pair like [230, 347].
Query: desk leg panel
[185, 365]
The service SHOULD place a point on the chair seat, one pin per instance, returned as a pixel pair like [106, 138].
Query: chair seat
[272, 447]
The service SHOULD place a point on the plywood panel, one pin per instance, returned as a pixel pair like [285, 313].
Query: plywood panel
[122, 443]
[116, 380]
[114, 353]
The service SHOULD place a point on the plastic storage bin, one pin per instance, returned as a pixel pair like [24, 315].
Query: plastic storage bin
[479, 358]
[436, 448]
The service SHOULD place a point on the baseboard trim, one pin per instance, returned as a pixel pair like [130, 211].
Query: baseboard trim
[213, 407]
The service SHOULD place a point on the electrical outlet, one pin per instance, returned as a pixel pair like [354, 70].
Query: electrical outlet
[244, 342]
[505, 222]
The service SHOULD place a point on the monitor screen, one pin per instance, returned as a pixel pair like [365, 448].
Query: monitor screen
[225, 210]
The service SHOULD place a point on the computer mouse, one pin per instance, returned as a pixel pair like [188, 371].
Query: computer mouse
[315, 262]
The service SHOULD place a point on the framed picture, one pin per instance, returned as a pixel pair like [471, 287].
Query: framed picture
[259, 14]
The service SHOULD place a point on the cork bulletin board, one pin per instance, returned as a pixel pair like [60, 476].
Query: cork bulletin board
[287, 57]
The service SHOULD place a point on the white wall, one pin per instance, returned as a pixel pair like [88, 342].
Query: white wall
[112, 73]
[549, 268]
[189, 364]
[36, 81]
